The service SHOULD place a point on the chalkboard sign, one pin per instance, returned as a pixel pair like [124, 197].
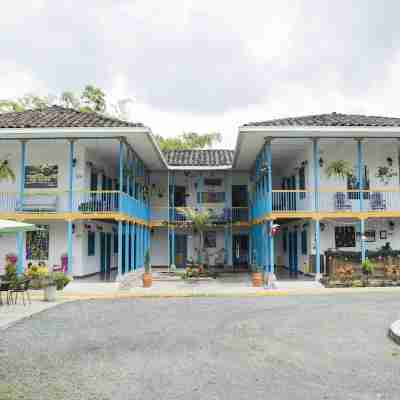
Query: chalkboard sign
[43, 176]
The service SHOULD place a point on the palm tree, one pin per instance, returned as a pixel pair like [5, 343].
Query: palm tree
[6, 173]
[200, 220]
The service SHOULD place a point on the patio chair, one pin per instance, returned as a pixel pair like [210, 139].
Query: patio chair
[341, 202]
[23, 288]
[5, 287]
[377, 201]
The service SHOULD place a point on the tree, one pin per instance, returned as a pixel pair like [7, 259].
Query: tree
[201, 220]
[188, 141]
[92, 99]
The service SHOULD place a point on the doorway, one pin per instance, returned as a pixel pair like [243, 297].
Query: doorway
[180, 250]
[240, 203]
[293, 254]
[240, 250]
[105, 255]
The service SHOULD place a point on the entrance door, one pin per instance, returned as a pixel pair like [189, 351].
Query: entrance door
[181, 250]
[240, 250]
[293, 255]
[108, 253]
[240, 203]
[102, 253]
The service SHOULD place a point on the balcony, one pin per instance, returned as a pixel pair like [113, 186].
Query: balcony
[83, 202]
[292, 203]
[219, 215]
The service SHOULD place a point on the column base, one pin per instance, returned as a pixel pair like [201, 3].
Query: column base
[318, 277]
[270, 282]
[172, 268]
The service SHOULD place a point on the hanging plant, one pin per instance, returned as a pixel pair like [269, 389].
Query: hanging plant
[6, 173]
[339, 169]
[385, 174]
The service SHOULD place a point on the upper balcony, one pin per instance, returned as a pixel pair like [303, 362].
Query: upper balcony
[219, 215]
[332, 203]
[90, 204]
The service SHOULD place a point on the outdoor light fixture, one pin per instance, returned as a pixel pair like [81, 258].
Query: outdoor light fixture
[321, 162]
[74, 161]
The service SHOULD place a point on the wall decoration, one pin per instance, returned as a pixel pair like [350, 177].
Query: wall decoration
[6, 173]
[43, 176]
[37, 244]
[370, 236]
[383, 235]
[210, 239]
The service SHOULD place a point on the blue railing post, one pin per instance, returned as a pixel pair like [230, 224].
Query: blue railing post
[316, 151]
[360, 171]
[21, 235]
[121, 199]
[70, 206]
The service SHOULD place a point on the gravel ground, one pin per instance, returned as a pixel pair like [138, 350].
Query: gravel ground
[297, 347]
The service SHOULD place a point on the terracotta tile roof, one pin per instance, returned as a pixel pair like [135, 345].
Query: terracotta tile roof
[60, 117]
[200, 158]
[331, 120]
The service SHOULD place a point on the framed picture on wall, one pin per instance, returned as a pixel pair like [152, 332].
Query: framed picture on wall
[43, 176]
[383, 235]
[370, 236]
[210, 239]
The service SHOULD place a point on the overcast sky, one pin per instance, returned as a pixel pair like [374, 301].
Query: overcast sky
[208, 65]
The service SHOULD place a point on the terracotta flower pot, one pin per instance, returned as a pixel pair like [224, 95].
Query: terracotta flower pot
[257, 279]
[147, 279]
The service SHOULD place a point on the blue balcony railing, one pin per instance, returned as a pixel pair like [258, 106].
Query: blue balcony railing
[87, 202]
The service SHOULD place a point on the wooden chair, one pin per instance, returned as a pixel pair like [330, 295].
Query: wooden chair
[5, 287]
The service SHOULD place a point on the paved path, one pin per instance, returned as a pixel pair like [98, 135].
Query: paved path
[284, 348]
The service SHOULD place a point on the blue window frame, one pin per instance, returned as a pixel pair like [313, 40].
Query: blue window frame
[304, 242]
[91, 243]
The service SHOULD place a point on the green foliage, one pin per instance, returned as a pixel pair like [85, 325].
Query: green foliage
[147, 265]
[368, 267]
[93, 99]
[188, 141]
[6, 173]
[61, 280]
[339, 169]
[11, 272]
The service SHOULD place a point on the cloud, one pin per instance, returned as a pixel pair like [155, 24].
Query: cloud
[193, 63]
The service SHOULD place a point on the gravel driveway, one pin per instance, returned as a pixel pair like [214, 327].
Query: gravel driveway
[303, 347]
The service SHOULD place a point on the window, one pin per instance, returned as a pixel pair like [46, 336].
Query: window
[211, 197]
[345, 236]
[210, 239]
[353, 184]
[115, 243]
[37, 244]
[93, 181]
[304, 242]
[212, 182]
[91, 243]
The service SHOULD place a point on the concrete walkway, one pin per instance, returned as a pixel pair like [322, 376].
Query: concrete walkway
[10, 314]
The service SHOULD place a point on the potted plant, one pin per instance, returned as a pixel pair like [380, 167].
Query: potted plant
[257, 275]
[340, 169]
[49, 288]
[385, 174]
[6, 173]
[367, 267]
[147, 276]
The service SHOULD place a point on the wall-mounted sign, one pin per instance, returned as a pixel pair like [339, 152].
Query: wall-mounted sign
[43, 176]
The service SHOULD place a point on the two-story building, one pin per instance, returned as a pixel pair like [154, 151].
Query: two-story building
[104, 194]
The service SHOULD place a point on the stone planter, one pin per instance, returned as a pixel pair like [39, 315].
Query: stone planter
[49, 293]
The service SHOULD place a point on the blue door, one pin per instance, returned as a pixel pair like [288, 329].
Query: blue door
[181, 250]
[293, 256]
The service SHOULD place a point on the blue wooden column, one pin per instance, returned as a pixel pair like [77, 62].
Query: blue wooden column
[228, 222]
[169, 221]
[268, 146]
[360, 173]
[137, 252]
[173, 247]
[21, 235]
[120, 188]
[264, 197]
[133, 230]
[70, 206]
[127, 251]
[316, 151]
